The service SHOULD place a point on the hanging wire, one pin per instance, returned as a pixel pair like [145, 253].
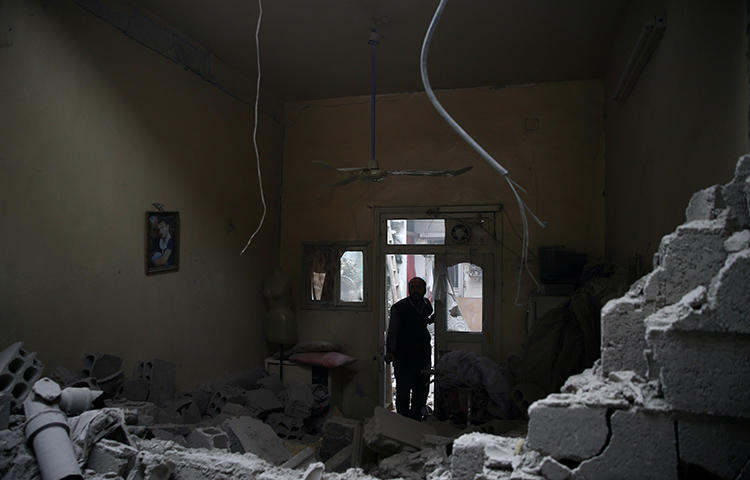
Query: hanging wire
[522, 207]
[255, 130]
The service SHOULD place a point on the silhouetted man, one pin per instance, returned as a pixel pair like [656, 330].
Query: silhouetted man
[408, 347]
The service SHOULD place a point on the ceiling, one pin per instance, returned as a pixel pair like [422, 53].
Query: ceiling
[314, 49]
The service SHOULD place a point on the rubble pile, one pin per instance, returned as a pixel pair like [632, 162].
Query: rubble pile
[671, 395]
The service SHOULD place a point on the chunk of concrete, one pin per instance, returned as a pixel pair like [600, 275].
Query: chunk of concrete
[702, 372]
[135, 389]
[209, 438]
[623, 334]
[111, 456]
[642, 446]
[705, 204]
[551, 469]
[235, 410]
[285, 426]
[298, 399]
[573, 433]
[737, 241]
[729, 294]
[300, 459]
[261, 402]
[160, 376]
[258, 438]
[338, 432]
[475, 451]
[719, 445]
[386, 430]
[691, 256]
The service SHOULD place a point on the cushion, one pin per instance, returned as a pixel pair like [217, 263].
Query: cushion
[313, 346]
[323, 359]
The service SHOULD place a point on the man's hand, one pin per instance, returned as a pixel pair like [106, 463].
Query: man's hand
[388, 357]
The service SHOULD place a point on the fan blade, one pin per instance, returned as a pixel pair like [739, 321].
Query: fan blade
[339, 169]
[431, 173]
[351, 179]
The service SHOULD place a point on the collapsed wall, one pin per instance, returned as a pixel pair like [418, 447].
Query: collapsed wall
[671, 396]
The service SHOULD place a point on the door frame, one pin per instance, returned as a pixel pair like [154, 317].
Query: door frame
[486, 215]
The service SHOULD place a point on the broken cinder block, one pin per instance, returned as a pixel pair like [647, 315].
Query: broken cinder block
[19, 370]
[209, 438]
[160, 376]
[475, 451]
[570, 432]
[642, 445]
[254, 436]
[110, 456]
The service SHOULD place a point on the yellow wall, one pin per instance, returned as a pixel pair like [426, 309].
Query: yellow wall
[94, 128]
[683, 126]
[561, 165]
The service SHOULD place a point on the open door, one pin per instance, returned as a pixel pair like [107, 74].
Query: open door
[452, 248]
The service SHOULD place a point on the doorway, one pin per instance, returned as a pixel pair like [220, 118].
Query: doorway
[452, 249]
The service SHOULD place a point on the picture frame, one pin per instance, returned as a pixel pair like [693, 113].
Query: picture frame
[162, 242]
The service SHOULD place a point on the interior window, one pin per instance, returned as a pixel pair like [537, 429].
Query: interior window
[335, 275]
[352, 276]
[464, 297]
[416, 231]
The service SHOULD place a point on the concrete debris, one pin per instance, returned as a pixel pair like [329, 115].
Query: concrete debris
[168, 435]
[301, 459]
[475, 452]
[135, 413]
[106, 370]
[271, 382]
[388, 432]
[247, 380]
[567, 431]
[297, 399]
[340, 461]
[639, 440]
[261, 402]
[338, 432]
[425, 463]
[256, 437]
[135, 389]
[90, 427]
[551, 469]
[216, 404]
[19, 370]
[235, 410]
[684, 328]
[208, 438]
[286, 426]
[737, 241]
[700, 439]
[109, 456]
[160, 376]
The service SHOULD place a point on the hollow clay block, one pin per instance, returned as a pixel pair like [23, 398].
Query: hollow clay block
[19, 370]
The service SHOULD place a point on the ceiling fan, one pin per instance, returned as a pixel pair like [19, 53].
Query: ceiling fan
[372, 171]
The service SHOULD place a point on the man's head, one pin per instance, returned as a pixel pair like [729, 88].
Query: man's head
[163, 229]
[417, 288]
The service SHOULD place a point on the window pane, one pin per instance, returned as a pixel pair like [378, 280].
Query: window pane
[352, 276]
[464, 298]
[420, 231]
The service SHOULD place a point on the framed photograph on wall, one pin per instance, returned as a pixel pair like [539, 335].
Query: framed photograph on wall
[162, 242]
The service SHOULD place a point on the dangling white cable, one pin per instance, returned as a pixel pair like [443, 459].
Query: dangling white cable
[255, 130]
[522, 207]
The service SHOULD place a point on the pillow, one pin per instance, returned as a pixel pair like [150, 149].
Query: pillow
[315, 346]
[323, 359]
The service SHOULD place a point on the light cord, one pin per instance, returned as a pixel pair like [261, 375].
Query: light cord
[522, 206]
[255, 130]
